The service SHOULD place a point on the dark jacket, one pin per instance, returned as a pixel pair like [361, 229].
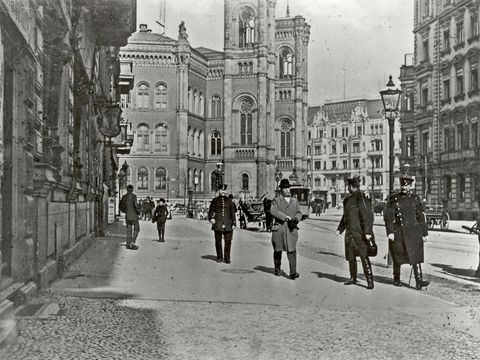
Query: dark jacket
[131, 206]
[222, 209]
[160, 214]
[282, 238]
[357, 220]
[405, 218]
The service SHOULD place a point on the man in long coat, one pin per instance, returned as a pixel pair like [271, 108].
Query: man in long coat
[160, 216]
[221, 214]
[357, 220]
[287, 214]
[131, 208]
[406, 230]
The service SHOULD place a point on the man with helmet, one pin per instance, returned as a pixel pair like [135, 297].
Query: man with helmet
[406, 230]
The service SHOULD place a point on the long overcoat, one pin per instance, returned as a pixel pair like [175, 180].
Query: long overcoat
[282, 238]
[222, 209]
[131, 205]
[357, 221]
[160, 214]
[405, 218]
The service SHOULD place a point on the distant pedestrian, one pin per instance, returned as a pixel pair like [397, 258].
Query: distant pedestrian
[131, 208]
[357, 222]
[221, 214]
[267, 206]
[406, 230]
[160, 216]
[287, 214]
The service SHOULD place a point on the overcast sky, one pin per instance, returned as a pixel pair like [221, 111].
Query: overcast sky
[367, 38]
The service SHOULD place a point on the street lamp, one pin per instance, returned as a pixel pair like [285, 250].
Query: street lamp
[390, 100]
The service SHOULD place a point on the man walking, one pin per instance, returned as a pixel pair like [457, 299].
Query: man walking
[287, 214]
[160, 216]
[357, 220]
[221, 214]
[129, 206]
[406, 230]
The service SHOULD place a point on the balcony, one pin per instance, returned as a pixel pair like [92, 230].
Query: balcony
[245, 154]
[285, 164]
[460, 154]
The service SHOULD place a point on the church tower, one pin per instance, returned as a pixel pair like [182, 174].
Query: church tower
[249, 93]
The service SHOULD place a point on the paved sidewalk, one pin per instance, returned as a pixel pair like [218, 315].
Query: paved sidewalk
[172, 300]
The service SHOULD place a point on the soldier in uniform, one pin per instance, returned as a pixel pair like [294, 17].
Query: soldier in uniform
[287, 214]
[357, 220]
[221, 214]
[406, 230]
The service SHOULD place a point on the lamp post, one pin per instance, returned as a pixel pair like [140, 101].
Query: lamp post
[390, 100]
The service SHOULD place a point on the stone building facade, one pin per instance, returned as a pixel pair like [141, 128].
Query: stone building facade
[447, 103]
[345, 139]
[59, 71]
[191, 107]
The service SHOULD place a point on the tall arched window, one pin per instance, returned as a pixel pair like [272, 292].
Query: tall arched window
[246, 29]
[286, 63]
[215, 143]
[161, 96]
[286, 137]
[142, 137]
[215, 107]
[195, 102]
[246, 121]
[190, 99]
[160, 179]
[161, 138]
[143, 96]
[245, 181]
[201, 110]
[142, 179]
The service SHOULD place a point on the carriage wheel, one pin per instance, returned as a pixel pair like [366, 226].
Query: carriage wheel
[444, 221]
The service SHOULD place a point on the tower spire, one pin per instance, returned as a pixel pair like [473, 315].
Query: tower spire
[288, 9]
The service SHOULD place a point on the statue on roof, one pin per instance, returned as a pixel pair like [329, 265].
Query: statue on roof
[182, 31]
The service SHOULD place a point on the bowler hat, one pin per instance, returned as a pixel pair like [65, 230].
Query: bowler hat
[284, 183]
[354, 181]
[223, 187]
[406, 179]
[161, 200]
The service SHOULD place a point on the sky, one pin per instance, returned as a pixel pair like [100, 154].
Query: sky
[354, 44]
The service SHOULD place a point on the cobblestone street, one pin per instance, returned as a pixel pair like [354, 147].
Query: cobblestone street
[173, 301]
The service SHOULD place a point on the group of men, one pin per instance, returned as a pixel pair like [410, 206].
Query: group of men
[404, 222]
[405, 226]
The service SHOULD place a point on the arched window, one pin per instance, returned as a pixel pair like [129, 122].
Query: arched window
[161, 138]
[195, 102]
[160, 179]
[142, 137]
[286, 63]
[246, 121]
[161, 96]
[286, 137]
[142, 179]
[246, 29]
[201, 110]
[245, 180]
[143, 96]
[190, 99]
[215, 107]
[216, 143]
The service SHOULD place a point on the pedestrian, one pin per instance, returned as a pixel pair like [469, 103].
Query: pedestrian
[267, 206]
[287, 214]
[221, 214]
[357, 222]
[131, 208]
[406, 231]
[160, 216]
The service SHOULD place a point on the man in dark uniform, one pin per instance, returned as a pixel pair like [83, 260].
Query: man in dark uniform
[357, 220]
[406, 230]
[222, 216]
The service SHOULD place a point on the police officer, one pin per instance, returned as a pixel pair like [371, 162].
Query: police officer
[406, 230]
[357, 220]
[221, 214]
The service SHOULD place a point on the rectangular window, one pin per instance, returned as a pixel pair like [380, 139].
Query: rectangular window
[425, 50]
[460, 33]
[318, 150]
[356, 147]
[446, 89]
[318, 182]
[475, 135]
[356, 163]
[425, 96]
[446, 138]
[474, 22]
[446, 40]
[334, 149]
[359, 130]
[474, 80]
[317, 165]
[334, 164]
[309, 135]
[325, 165]
[425, 142]
[345, 148]
[459, 84]
[345, 164]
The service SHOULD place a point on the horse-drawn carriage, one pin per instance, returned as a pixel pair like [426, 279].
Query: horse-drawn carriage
[251, 214]
[436, 215]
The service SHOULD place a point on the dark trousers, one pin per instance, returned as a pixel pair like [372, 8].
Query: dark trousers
[161, 231]
[227, 235]
[292, 260]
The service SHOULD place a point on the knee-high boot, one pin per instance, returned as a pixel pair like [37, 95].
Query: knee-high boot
[367, 270]
[419, 282]
[352, 264]
[396, 275]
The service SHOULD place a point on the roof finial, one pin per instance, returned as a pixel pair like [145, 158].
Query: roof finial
[288, 9]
